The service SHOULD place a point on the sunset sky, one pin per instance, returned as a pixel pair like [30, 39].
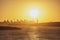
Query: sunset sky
[48, 10]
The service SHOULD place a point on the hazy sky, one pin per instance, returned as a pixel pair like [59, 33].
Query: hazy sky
[19, 9]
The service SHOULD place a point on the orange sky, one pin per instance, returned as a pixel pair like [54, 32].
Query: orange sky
[19, 9]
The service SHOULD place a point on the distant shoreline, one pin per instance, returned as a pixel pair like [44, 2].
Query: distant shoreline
[31, 24]
[9, 28]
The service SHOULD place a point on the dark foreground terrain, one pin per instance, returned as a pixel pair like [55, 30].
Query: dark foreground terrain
[30, 33]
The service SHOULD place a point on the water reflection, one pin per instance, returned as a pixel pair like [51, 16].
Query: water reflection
[31, 33]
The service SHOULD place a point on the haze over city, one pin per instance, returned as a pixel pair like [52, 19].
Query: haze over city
[41, 10]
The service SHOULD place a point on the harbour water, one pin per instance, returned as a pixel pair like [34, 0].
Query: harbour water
[31, 33]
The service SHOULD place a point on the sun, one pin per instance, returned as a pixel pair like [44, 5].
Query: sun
[34, 13]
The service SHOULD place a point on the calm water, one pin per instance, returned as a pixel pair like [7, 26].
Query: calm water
[31, 33]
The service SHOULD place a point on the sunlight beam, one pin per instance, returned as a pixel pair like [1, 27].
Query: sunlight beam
[34, 13]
